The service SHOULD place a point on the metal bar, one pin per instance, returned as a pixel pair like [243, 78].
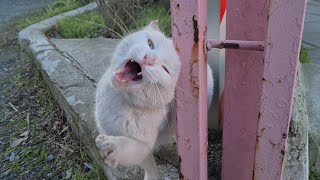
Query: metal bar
[278, 81]
[246, 20]
[235, 44]
[189, 25]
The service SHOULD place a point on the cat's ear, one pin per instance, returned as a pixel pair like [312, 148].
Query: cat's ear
[154, 25]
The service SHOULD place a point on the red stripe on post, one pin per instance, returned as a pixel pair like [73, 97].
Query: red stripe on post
[223, 6]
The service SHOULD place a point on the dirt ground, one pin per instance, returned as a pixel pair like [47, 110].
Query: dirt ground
[35, 140]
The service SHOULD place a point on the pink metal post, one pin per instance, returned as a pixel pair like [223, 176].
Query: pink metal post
[189, 36]
[246, 20]
[259, 91]
[283, 41]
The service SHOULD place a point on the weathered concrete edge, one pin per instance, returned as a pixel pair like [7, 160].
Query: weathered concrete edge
[33, 38]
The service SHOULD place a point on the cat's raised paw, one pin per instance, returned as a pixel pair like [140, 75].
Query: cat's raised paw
[108, 149]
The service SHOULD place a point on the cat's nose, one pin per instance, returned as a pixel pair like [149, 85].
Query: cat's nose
[148, 60]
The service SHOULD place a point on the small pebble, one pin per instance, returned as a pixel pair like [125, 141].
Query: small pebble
[87, 167]
[49, 174]
[50, 157]
[23, 165]
[6, 173]
[69, 173]
[12, 155]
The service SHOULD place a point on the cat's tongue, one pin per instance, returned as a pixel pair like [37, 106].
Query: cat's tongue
[128, 73]
[124, 74]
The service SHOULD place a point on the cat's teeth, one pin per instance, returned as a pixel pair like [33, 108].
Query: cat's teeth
[118, 71]
[140, 73]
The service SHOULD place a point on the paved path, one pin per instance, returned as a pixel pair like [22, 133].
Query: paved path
[311, 40]
[10, 9]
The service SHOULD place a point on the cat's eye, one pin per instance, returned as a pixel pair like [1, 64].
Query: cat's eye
[150, 43]
[165, 69]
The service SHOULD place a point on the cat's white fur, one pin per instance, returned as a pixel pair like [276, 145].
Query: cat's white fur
[135, 118]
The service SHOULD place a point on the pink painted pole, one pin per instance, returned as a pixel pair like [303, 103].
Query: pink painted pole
[189, 19]
[246, 20]
[284, 35]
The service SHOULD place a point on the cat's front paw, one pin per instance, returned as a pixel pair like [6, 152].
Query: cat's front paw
[108, 149]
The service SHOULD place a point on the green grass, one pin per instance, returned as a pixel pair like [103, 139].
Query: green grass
[55, 8]
[304, 55]
[87, 25]
[314, 176]
[155, 12]
[92, 25]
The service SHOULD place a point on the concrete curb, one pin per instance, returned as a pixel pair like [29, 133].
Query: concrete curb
[33, 36]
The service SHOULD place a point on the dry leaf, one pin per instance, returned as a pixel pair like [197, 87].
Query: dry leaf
[14, 108]
[69, 173]
[17, 142]
[25, 134]
[28, 120]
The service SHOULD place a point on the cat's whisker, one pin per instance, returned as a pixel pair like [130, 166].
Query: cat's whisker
[153, 97]
[166, 117]
[185, 92]
[171, 104]
[179, 103]
[155, 90]
[159, 93]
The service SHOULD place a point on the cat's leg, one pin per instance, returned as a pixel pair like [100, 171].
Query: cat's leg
[150, 168]
[127, 151]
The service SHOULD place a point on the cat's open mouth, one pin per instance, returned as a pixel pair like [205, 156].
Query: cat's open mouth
[130, 72]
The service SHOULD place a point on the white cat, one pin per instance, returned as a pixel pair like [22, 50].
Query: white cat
[133, 100]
